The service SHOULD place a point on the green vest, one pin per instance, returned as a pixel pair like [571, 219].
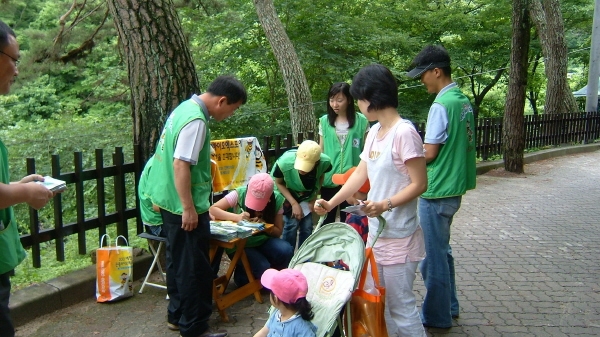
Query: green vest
[149, 216]
[255, 240]
[343, 157]
[292, 177]
[453, 171]
[11, 250]
[161, 183]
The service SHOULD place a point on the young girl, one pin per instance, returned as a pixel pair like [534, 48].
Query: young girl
[341, 137]
[394, 163]
[293, 313]
[257, 201]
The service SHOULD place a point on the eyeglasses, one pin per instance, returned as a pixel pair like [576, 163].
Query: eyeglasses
[12, 58]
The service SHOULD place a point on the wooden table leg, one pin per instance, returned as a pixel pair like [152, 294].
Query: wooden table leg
[220, 284]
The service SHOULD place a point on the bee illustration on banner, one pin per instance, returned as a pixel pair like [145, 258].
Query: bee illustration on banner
[258, 155]
[249, 147]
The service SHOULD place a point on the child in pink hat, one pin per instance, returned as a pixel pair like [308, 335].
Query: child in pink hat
[257, 202]
[293, 312]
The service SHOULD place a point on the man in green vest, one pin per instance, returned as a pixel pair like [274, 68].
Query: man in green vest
[180, 185]
[24, 191]
[450, 154]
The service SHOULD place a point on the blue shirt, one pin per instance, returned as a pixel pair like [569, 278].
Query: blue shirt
[293, 327]
[436, 131]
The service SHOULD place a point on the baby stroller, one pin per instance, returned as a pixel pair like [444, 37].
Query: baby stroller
[331, 258]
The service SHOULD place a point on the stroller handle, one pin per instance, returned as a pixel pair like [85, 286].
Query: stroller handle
[382, 223]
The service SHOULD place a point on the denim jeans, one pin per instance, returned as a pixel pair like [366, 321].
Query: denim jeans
[274, 253]
[440, 302]
[292, 225]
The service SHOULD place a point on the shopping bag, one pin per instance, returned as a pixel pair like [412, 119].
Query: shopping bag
[368, 302]
[114, 271]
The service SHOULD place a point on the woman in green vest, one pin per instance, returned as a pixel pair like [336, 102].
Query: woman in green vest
[257, 202]
[341, 136]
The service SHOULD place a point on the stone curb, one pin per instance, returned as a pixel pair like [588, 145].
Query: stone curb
[40, 299]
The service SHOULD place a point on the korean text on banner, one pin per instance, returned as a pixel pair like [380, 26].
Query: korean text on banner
[237, 160]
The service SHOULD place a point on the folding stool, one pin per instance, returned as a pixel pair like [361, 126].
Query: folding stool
[155, 262]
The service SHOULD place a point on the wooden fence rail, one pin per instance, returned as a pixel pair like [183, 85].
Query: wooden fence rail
[541, 131]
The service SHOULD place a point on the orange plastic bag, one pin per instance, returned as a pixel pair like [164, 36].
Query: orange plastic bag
[367, 304]
[114, 271]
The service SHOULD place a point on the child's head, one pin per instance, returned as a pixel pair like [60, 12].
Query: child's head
[290, 287]
[308, 154]
[260, 189]
[341, 179]
[340, 100]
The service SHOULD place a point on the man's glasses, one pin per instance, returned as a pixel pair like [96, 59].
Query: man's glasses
[12, 58]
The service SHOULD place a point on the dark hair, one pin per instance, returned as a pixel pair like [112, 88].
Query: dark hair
[268, 214]
[302, 306]
[433, 54]
[5, 31]
[375, 83]
[230, 87]
[344, 88]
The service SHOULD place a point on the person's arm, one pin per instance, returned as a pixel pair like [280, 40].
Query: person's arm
[418, 174]
[25, 191]
[436, 131]
[262, 332]
[296, 209]
[322, 144]
[219, 211]
[431, 151]
[356, 180]
[183, 185]
[277, 228]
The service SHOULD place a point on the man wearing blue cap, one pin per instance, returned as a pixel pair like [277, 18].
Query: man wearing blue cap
[450, 154]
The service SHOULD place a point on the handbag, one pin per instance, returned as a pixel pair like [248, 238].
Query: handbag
[367, 304]
[114, 271]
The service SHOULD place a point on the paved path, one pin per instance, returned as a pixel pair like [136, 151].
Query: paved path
[526, 248]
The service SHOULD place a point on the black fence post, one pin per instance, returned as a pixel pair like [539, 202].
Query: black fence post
[100, 192]
[34, 223]
[80, 202]
[58, 215]
[120, 201]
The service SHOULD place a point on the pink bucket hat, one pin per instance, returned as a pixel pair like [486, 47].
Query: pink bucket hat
[287, 284]
[260, 188]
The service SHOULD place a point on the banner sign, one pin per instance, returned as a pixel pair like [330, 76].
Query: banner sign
[237, 160]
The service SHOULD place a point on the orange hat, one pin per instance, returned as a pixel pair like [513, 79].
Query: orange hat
[341, 179]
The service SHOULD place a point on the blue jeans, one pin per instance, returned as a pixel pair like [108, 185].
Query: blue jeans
[274, 253]
[440, 302]
[292, 225]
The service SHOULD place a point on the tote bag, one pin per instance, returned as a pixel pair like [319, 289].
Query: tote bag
[368, 302]
[114, 271]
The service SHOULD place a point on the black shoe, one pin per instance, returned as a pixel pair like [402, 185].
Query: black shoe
[219, 333]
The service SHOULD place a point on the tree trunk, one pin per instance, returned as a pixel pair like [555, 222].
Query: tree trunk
[161, 71]
[514, 126]
[299, 98]
[548, 20]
